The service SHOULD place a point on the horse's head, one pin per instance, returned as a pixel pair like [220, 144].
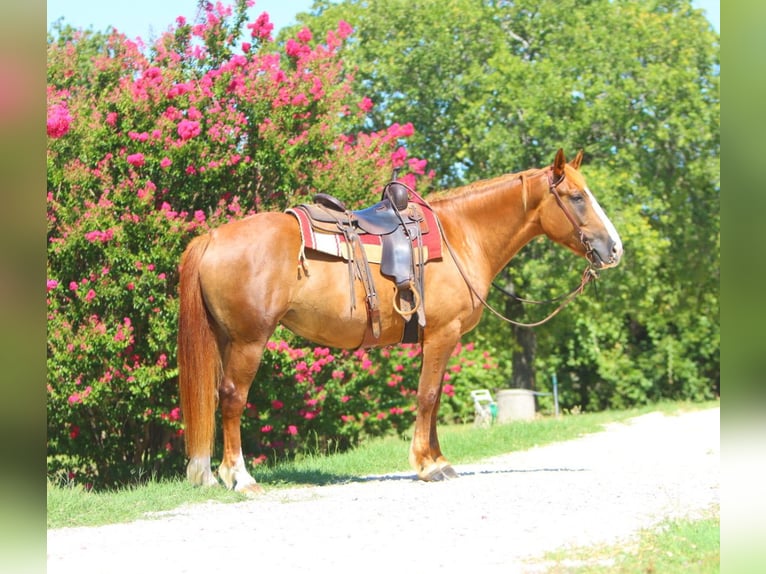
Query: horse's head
[570, 215]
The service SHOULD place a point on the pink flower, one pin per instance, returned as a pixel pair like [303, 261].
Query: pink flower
[90, 295]
[316, 89]
[166, 162]
[276, 404]
[305, 35]
[175, 414]
[100, 236]
[136, 159]
[366, 104]
[266, 428]
[344, 29]
[52, 284]
[418, 165]
[188, 129]
[59, 121]
[261, 28]
[449, 390]
[246, 47]
[296, 49]
[398, 157]
[75, 432]
[111, 118]
[401, 131]
[292, 430]
[73, 285]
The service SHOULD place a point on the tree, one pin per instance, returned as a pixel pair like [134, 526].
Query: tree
[494, 86]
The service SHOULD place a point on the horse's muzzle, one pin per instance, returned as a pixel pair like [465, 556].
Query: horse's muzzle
[604, 254]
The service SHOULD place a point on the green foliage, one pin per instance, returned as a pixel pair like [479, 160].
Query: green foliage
[495, 86]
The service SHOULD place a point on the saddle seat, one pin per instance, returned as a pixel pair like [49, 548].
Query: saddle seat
[379, 219]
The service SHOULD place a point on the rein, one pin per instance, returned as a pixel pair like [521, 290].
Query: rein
[588, 274]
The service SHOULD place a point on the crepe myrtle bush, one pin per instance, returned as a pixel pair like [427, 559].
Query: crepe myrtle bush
[328, 399]
[149, 146]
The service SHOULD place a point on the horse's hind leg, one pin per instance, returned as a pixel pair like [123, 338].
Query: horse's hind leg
[241, 362]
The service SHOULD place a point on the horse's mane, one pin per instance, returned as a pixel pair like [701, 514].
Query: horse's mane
[478, 188]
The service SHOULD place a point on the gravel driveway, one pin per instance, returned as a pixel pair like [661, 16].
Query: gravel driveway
[500, 516]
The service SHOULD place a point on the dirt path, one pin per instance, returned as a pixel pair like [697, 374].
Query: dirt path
[498, 517]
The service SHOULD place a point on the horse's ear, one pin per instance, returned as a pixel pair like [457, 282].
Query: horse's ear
[559, 163]
[575, 163]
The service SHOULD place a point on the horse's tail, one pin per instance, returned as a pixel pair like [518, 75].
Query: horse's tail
[199, 366]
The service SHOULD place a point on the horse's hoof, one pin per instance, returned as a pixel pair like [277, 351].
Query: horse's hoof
[199, 474]
[432, 474]
[253, 489]
[449, 472]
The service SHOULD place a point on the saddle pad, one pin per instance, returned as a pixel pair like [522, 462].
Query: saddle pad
[335, 243]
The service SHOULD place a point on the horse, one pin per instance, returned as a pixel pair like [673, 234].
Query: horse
[242, 279]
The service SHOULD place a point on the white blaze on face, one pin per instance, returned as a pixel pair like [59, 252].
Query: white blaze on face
[613, 235]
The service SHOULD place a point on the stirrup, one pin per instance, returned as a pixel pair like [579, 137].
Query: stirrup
[415, 303]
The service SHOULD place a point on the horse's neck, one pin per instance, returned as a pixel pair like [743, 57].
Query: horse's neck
[492, 220]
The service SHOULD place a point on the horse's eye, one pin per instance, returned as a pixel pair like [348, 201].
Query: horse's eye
[577, 198]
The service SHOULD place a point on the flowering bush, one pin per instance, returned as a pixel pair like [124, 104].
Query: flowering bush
[148, 147]
[329, 400]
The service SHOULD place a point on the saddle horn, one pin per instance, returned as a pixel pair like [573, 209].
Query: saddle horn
[396, 192]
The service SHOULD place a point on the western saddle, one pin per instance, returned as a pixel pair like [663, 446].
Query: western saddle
[398, 224]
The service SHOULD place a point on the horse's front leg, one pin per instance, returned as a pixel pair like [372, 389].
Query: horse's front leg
[241, 364]
[425, 453]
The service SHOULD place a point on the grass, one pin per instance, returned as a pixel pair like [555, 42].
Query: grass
[677, 546]
[70, 505]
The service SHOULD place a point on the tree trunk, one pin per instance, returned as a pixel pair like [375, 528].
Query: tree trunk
[523, 358]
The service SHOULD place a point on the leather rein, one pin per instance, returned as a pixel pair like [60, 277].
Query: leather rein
[588, 274]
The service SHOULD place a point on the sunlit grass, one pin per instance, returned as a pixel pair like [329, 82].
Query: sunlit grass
[674, 547]
[70, 505]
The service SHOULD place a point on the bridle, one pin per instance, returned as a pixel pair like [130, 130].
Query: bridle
[588, 274]
[552, 185]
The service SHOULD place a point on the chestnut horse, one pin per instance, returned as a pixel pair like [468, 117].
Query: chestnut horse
[242, 279]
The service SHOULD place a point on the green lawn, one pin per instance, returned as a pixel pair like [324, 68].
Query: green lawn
[674, 547]
[74, 506]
